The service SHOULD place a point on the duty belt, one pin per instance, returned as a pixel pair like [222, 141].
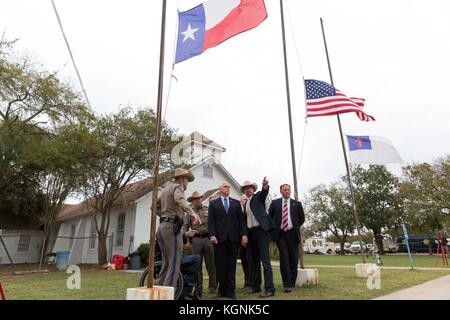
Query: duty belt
[201, 235]
[167, 219]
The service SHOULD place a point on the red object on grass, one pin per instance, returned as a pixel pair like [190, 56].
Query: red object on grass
[2, 292]
[118, 261]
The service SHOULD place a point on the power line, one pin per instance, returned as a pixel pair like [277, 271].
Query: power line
[71, 54]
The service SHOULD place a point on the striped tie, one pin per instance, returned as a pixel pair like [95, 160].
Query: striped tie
[284, 220]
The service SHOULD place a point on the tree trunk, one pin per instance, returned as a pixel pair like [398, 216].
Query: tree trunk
[102, 250]
[379, 241]
[342, 252]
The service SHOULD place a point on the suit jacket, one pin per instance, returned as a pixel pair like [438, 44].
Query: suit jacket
[223, 226]
[296, 212]
[258, 206]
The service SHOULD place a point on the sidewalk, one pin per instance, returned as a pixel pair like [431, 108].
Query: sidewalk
[277, 263]
[382, 267]
[437, 289]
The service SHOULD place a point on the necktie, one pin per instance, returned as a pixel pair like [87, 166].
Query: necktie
[284, 220]
[225, 204]
[248, 211]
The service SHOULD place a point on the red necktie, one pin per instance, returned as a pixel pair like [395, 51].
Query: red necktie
[284, 220]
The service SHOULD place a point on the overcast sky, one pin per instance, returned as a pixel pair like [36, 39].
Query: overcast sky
[393, 53]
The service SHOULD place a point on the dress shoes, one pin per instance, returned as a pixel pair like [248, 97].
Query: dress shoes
[267, 294]
[253, 290]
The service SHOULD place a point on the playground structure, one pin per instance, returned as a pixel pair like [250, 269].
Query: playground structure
[442, 249]
[2, 293]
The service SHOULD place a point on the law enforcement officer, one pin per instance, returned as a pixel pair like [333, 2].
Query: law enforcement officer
[201, 245]
[173, 208]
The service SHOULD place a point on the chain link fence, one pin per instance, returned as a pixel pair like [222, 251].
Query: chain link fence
[32, 247]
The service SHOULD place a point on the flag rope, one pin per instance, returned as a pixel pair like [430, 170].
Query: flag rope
[297, 51]
[172, 74]
[71, 54]
[301, 153]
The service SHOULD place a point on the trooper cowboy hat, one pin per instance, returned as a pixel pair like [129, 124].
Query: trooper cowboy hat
[181, 172]
[195, 195]
[248, 183]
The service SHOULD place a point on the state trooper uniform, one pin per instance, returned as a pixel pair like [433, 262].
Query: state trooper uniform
[201, 245]
[173, 208]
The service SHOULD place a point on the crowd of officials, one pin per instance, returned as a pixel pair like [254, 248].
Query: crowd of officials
[226, 230]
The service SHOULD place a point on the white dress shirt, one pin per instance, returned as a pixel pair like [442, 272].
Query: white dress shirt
[288, 200]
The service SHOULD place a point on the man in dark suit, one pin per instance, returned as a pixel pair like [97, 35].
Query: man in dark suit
[288, 217]
[227, 231]
[259, 226]
[243, 252]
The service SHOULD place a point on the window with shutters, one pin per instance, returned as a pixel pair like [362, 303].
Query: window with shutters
[208, 171]
[92, 235]
[120, 229]
[72, 236]
[24, 243]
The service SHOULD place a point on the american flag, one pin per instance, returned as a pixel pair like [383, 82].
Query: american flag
[322, 99]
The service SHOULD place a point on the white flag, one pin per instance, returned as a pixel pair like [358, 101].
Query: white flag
[372, 150]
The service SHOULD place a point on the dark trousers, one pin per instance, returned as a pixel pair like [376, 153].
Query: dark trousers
[258, 252]
[243, 254]
[225, 254]
[205, 249]
[288, 249]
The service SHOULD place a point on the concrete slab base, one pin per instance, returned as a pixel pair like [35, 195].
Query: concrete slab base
[307, 277]
[155, 293]
[364, 270]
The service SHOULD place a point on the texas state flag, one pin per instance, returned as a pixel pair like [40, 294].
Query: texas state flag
[372, 150]
[213, 22]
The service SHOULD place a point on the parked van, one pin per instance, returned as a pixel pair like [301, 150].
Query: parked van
[315, 245]
[417, 244]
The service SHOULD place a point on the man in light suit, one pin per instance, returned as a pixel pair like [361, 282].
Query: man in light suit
[288, 217]
[259, 226]
[227, 230]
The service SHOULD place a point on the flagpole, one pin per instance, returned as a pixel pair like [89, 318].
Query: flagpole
[347, 167]
[291, 134]
[151, 255]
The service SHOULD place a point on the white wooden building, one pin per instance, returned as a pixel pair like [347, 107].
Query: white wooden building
[130, 218]
[21, 237]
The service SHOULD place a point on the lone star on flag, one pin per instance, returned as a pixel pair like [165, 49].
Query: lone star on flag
[189, 33]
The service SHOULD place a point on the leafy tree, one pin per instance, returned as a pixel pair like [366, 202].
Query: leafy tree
[426, 191]
[126, 141]
[33, 96]
[33, 105]
[329, 209]
[377, 200]
[64, 157]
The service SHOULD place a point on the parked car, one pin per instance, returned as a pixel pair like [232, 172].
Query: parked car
[347, 246]
[369, 247]
[389, 244]
[356, 248]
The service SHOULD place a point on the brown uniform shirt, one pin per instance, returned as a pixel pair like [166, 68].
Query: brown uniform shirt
[201, 228]
[172, 202]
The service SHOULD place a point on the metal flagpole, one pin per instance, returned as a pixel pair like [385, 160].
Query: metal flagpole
[347, 167]
[151, 255]
[291, 134]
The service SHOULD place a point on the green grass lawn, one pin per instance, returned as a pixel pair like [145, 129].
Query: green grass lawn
[96, 284]
[389, 260]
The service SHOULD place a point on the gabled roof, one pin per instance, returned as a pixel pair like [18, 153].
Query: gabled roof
[203, 140]
[132, 193]
[209, 193]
